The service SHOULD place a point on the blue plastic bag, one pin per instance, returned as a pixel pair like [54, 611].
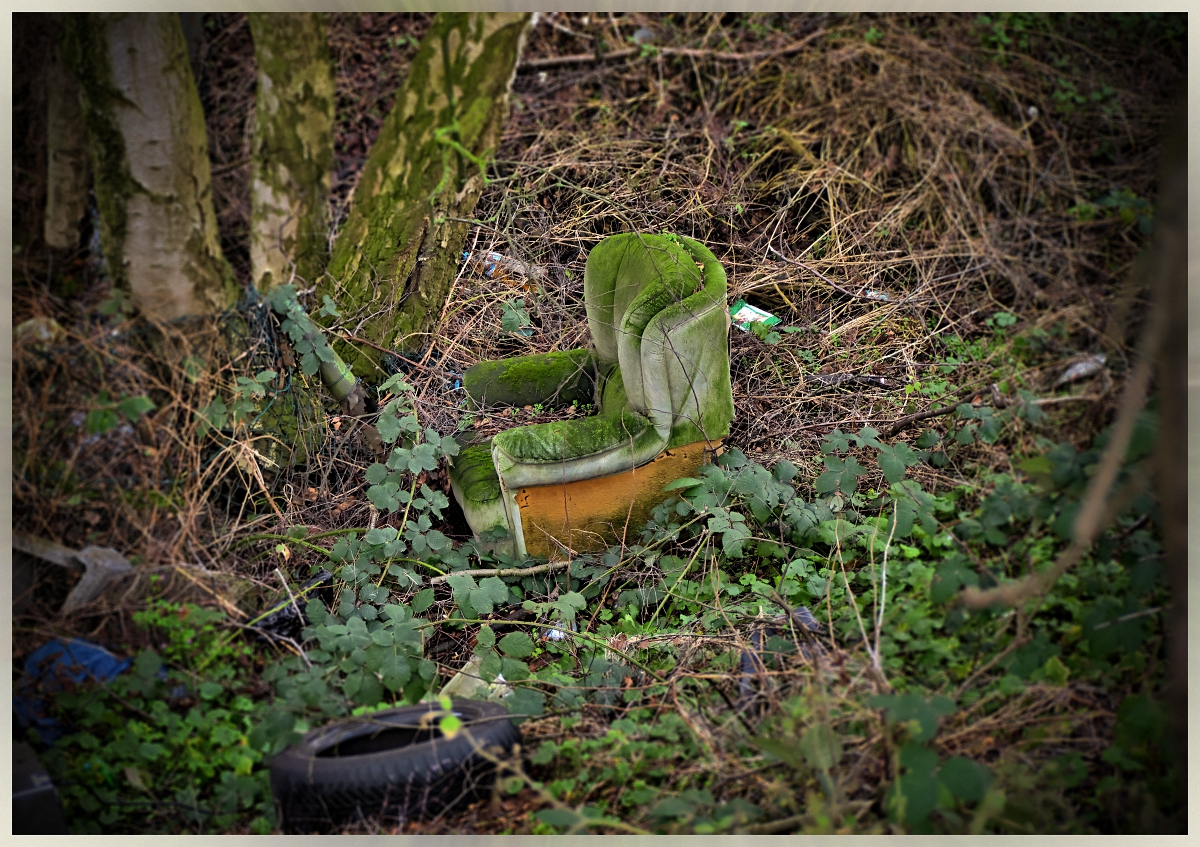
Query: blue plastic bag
[52, 665]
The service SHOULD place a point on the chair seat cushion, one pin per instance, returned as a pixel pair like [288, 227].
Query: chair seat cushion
[564, 451]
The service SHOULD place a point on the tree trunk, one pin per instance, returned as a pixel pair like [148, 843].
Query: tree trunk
[292, 149]
[66, 160]
[1170, 285]
[150, 163]
[394, 261]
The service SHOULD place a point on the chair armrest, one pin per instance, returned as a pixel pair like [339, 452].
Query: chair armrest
[558, 378]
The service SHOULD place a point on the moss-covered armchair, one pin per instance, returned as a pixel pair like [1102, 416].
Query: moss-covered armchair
[658, 372]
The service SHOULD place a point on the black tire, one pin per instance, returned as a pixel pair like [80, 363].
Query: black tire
[389, 765]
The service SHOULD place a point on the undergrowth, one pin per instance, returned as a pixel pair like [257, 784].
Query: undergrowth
[876, 709]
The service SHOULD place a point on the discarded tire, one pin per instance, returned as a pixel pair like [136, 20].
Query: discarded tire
[393, 766]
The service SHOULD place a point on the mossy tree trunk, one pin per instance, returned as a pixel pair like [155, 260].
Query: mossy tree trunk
[66, 159]
[394, 261]
[292, 149]
[149, 154]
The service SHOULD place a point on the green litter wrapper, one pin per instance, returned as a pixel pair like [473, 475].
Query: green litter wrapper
[743, 314]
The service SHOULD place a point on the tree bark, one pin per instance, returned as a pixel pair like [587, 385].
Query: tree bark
[292, 149]
[1170, 285]
[66, 160]
[394, 262]
[150, 162]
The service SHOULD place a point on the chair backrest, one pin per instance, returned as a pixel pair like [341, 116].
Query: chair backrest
[662, 317]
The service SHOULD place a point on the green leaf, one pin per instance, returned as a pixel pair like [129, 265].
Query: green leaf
[383, 497]
[967, 780]
[821, 746]
[324, 352]
[912, 797]
[380, 535]
[377, 473]
[525, 701]
[561, 818]
[481, 601]
[682, 482]
[906, 708]
[518, 645]
[486, 639]
[836, 442]
[146, 664]
[514, 317]
[394, 383]
[895, 458]
[422, 601]
[330, 308]
[100, 421]
[388, 427]
[842, 475]
[780, 750]
[495, 588]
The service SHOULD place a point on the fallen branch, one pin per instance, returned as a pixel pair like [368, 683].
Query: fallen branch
[907, 421]
[549, 566]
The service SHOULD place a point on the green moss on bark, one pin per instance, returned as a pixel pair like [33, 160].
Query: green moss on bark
[399, 248]
[149, 155]
[292, 149]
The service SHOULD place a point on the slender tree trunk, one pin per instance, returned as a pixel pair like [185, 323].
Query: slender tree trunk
[66, 160]
[1170, 284]
[292, 149]
[394, 261]
[150, 162]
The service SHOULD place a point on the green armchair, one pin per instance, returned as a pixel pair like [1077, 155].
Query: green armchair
[658, 372]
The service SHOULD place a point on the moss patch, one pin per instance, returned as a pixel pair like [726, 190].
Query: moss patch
[475, 473]
[558, 378]
[561, 441]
